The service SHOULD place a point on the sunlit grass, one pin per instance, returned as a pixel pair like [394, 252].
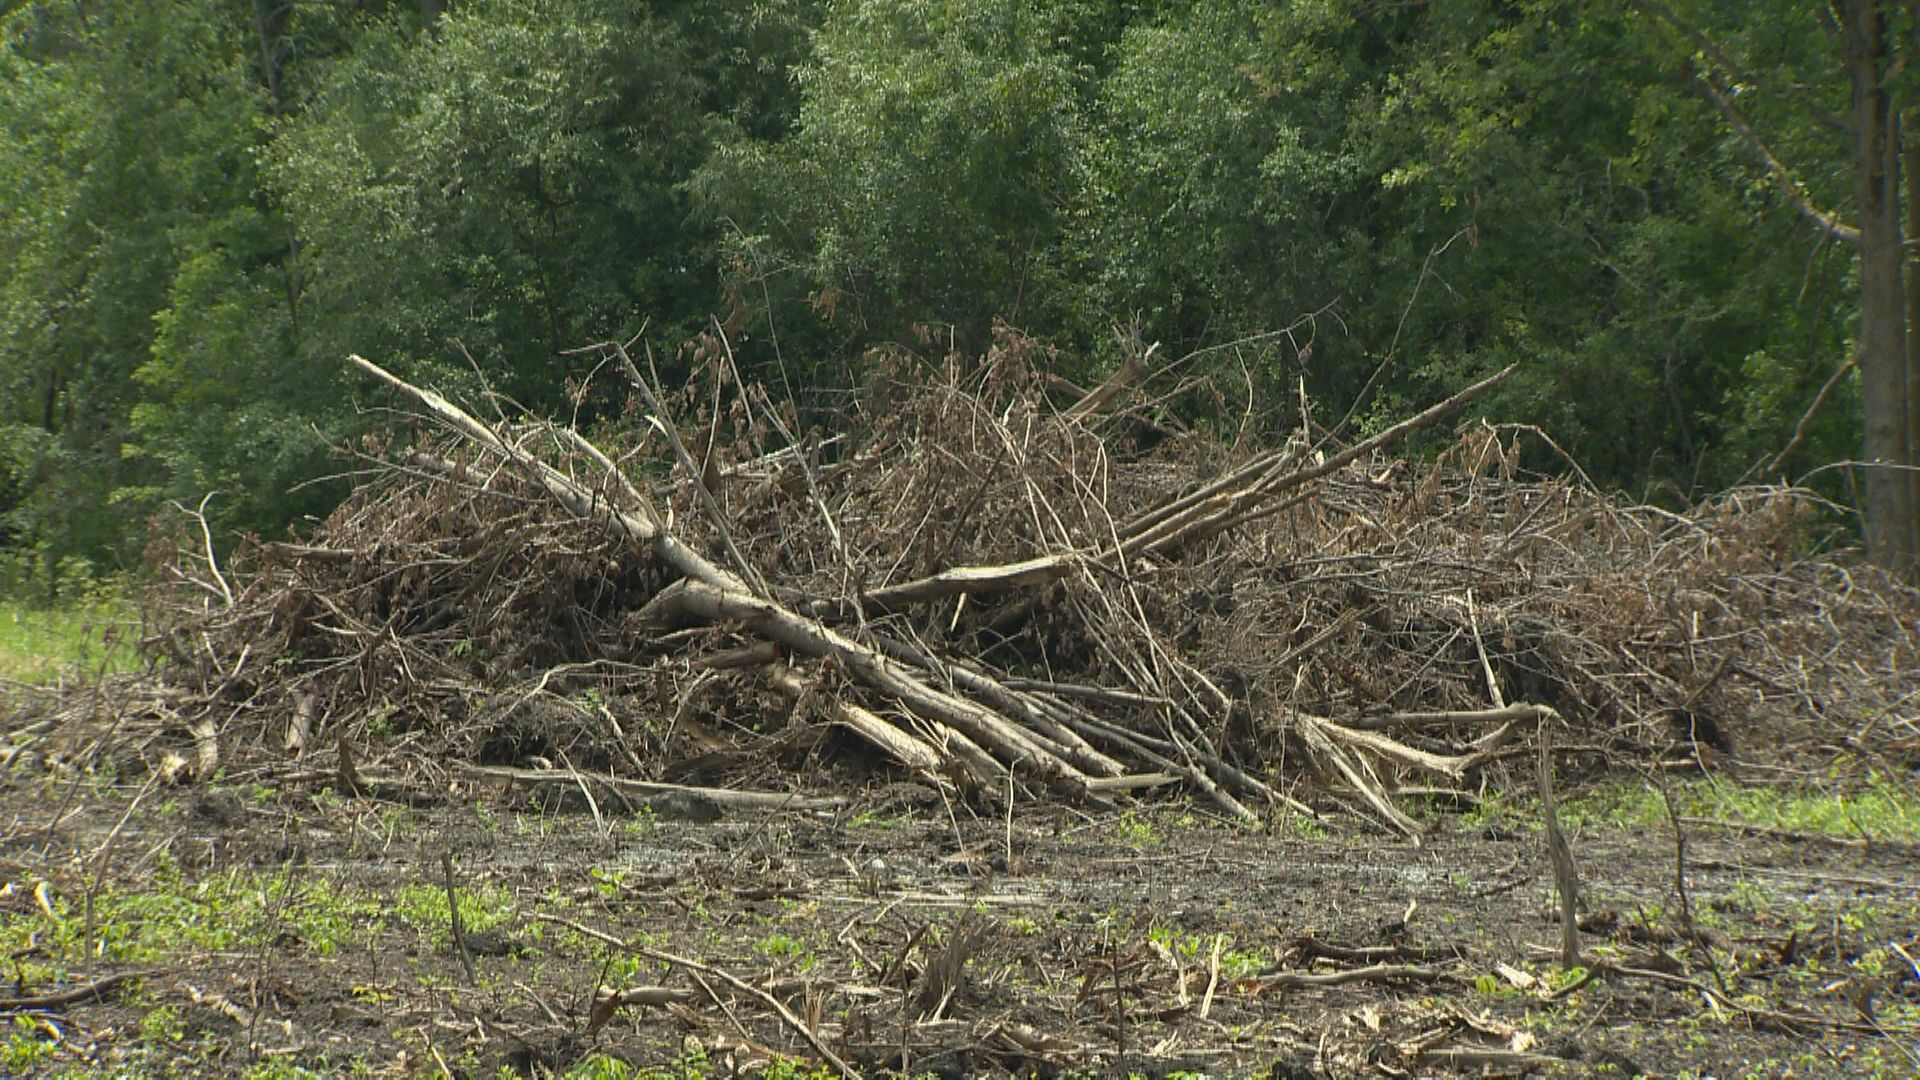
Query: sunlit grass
[83, 638]
[1878, 808]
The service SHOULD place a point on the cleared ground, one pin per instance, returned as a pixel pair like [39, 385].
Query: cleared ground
[276, 928]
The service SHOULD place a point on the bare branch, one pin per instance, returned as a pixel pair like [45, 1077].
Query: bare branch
[1717, 57]
[1783, 178]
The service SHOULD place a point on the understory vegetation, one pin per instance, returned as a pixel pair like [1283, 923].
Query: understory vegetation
[1364, 204]
[90, 635]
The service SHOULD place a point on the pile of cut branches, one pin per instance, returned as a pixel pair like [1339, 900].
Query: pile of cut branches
[1001, 595]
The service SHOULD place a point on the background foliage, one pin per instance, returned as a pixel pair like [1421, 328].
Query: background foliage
[211, 201]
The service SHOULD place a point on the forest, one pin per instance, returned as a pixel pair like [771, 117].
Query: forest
[1680, 219]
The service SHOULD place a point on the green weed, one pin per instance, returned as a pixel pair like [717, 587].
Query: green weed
[90, 636]
[1879, 809]
[424, 908]
[27, 1047]
[1136, 831]
[168, 915]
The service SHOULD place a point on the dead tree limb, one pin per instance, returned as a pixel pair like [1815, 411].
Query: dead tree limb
[1010, 744]
[710, 593]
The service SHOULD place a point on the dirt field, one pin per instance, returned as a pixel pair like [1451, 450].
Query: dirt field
[275, 928]
[1017, 602]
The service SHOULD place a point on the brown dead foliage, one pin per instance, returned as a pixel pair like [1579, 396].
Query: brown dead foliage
[453, 611]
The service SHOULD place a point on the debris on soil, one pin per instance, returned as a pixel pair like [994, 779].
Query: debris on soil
[717, 623]
[909, 943]
[975, 587]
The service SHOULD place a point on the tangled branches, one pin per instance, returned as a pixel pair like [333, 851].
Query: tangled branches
[997, 594]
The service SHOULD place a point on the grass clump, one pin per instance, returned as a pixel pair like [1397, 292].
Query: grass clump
[167, 916]
[91, 635]
[1878, 809]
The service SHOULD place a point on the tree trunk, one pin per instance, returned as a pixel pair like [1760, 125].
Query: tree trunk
[1893, 534]
[1910, 162]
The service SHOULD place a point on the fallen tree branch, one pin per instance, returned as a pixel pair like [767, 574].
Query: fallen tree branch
[958, 581]
[1455, 718]
[1292, 980]
[96, 990]
[744, 800]
[1314, 731]
[904, 747]
[713, 594]
[1009, 744]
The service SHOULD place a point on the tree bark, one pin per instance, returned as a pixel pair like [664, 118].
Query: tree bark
[1893, 534]
[1910, 162]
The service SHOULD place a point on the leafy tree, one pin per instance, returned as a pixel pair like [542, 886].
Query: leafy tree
[125, 172]
[1454, 189]
[929, 172]
[507, 182]
[1610, 197]
[1597, 230]
[1221, 177]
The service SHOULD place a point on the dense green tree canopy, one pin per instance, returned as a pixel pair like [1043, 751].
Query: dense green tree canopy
[211, 202]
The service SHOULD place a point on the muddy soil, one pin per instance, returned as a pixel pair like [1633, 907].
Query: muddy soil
[904, 935]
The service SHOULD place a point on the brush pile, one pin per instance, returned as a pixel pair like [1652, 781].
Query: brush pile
[979, 587]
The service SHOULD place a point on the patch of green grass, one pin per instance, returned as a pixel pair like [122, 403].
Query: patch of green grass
[691, 1065]
[1198, 949]
[779, 946]
[602, 1067]
[1878, 808]
[424, 908]
[1298, 826]
[1136, 831]
[40, 644]
[874, 819]
[167, 916]
[789, 1069]
[27, 1048]
[162, 1024]
[640, 824]
[1496, 811]
[280, 1069]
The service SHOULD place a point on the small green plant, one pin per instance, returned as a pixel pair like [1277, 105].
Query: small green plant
[280, 1069]
[379, 723]
[1878, 808]
[1184, 946]
[1299, 826]
[789, 1069]
[1561, 978]
[424, 908]
[167, 914]
[1489, 985]
[397, 821]
[872, 819]
[602, 1067]
[691, 1065]
[1494, 811]
[642, 823]
[781, 946]
[27, 1047]
[162, 1024]
[607, 883]
[1136, 831]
